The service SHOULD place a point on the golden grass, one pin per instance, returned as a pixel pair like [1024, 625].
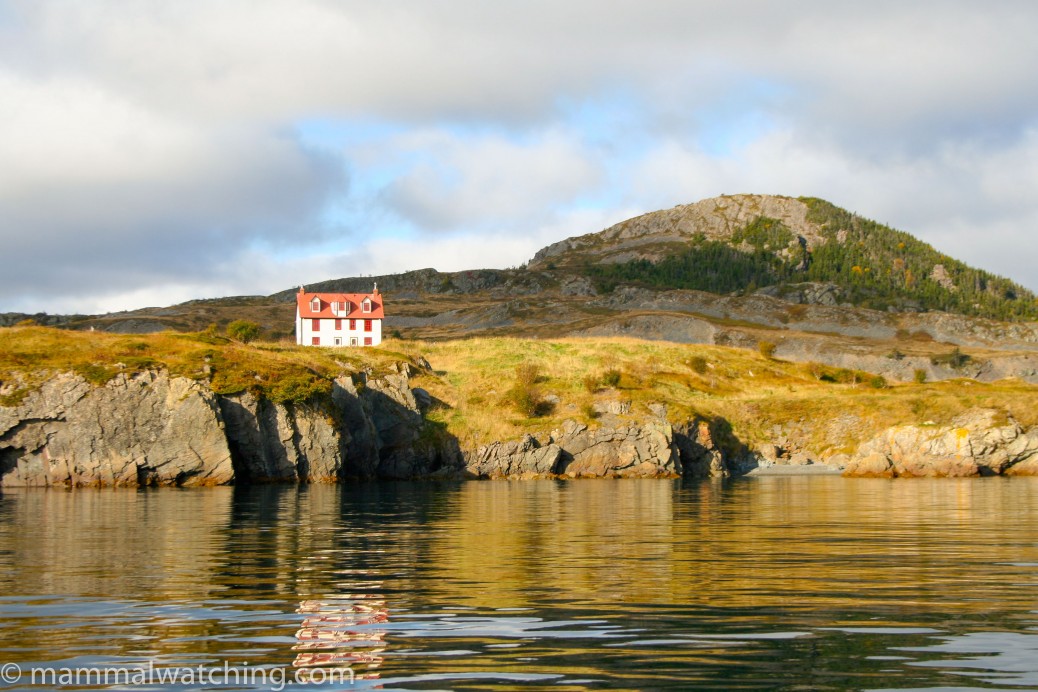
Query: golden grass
[753, 393]
[283, 372]
[472, 379]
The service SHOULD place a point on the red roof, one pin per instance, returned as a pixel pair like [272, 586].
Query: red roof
[349, 305]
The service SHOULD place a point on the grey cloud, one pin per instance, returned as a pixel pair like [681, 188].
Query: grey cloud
[899, 110]
[174, 229]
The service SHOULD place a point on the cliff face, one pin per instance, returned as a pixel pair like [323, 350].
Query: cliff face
[155, 429]
[145, 429]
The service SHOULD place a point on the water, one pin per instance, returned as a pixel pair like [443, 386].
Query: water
[794, 583]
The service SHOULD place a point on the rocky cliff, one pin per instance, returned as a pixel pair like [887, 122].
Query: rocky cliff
[151, 428]
[981, 442]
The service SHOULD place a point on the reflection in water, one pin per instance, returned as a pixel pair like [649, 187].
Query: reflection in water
[341, 624]
[791, 582]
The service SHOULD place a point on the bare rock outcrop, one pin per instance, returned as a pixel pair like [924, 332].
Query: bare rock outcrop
[635, 451]
[152, 428]
[979, 442]
[142, 429]
[277, 442]
[524, 458]
[715, 218]
[701, 455]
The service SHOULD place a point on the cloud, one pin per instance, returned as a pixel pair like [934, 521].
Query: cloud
[157, 147]
[486, 180]
[96, 191]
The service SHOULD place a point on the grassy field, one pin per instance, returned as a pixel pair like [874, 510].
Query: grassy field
[490, 389]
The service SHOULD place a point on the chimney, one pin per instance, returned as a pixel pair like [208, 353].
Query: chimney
[375, 290]
[301, 288]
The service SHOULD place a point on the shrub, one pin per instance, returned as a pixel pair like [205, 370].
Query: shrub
[611, 377]
[591, 384]
[956, 359]
[877, 382]
[527, 374]
[525, 400]
[524, 397]
[243, 331]
[896, 355]
[698, 364]
[589, 411]
[919, 376]
[767, 349]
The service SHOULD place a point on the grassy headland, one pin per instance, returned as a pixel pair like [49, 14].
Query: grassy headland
[489, 389]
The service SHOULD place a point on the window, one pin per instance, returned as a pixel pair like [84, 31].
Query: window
[353, 325]
[338, 325]
[315, 304]
[367, 325]
[338, 341]
[353, 341]
[316, 341]
[316, 324]
[366, 305]
[367, 341]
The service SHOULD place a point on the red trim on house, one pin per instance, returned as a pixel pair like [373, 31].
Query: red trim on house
[367, 341]
[315, 341]
[367, 325]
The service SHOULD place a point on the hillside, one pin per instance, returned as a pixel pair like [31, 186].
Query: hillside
[820, 283]
[744, 243]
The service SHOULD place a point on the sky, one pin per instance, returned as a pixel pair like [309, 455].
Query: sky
[157, 151]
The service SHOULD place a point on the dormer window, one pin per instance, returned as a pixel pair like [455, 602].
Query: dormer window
[315, 304]
[365, 305]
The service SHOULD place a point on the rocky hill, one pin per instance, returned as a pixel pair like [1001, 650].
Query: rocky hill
[743, 243]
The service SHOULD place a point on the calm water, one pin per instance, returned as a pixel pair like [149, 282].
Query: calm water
[797, 583]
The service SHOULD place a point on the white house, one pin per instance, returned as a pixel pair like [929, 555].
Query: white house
[339, 319]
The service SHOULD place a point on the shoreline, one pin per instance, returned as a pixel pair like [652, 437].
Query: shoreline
[793, 470]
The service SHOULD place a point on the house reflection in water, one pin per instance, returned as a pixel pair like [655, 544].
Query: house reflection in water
[342, 632]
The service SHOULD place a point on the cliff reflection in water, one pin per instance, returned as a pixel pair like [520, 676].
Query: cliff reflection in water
[639, 582]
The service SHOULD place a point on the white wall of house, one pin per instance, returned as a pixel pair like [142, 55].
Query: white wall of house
[328, 335]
